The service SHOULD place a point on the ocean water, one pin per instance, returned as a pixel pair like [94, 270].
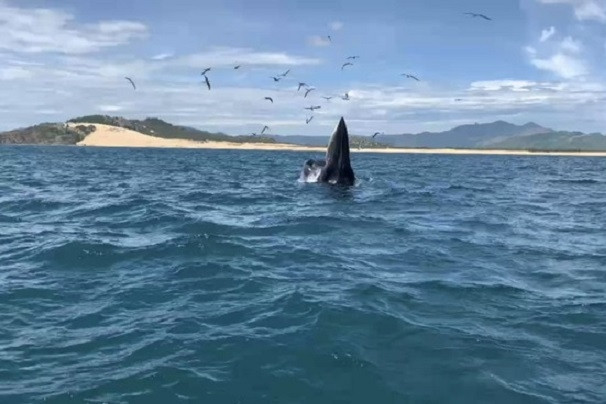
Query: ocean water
[165, 276]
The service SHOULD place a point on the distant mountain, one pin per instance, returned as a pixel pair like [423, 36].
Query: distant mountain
[322, 141]
[464, 136]
[47, 134]
[564, 141]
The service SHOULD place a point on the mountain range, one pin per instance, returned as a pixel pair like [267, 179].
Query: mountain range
[465, 136]
[495, 135]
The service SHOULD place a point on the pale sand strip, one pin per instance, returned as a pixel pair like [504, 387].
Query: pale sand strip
[112, 136]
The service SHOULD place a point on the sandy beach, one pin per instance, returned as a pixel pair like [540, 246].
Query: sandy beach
[112, 136]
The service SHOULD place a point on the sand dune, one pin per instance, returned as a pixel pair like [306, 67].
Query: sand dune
[112, 136]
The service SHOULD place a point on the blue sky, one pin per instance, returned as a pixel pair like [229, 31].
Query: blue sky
[538, 60]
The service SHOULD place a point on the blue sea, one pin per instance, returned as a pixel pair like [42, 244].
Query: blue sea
[206, 276]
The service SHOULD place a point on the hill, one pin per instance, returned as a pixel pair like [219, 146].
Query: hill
[464, 136]
[555, 141]
[47, 134]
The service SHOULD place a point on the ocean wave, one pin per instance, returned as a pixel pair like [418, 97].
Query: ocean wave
[147, 275]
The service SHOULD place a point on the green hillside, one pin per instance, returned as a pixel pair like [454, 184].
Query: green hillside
[47, 134]
[554, 141]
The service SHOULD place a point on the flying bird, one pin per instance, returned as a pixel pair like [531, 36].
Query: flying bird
[345, 97]
[313, 108]
[270, 99]
[285, 73]
[264, 129]
[328, 98]
[207, 82]
[309, 90]
[131, 82]
[237, 67]
[476, 15]
[205, 71]
[376, 134]
[253, 134]
[308, 120]
[346, 64]
[458, 99]
[329, 38]
[276, 79]
[352, 57]
[410, 76]
[301, 85]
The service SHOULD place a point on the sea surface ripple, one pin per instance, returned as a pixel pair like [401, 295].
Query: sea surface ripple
[161, 276]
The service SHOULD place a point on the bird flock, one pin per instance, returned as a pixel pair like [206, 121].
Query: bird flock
[349, 63]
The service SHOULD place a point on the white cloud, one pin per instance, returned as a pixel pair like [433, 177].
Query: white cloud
[110, 108]
[584, 9]
[547, 33]
[162, 56]
[221, 57]
[14, 73]
[571, 45]
[562, 65]
[497, 85]
[36, 30]
[562, 58]
[531, 50]
[336, 25]
[318, 41]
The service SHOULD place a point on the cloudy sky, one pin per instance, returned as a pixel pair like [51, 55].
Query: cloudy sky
[538, 60]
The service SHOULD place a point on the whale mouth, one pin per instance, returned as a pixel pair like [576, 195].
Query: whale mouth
[311, 171]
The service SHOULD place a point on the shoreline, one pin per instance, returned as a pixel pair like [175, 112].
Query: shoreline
[113, 136]
[297, 148]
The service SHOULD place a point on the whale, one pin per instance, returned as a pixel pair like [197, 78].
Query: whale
[336, 168]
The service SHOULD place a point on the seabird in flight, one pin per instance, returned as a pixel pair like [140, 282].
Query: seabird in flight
[131, 82]
[476, 15]
[410, 76]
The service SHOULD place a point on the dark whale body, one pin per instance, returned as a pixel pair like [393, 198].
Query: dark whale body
[336, 169]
